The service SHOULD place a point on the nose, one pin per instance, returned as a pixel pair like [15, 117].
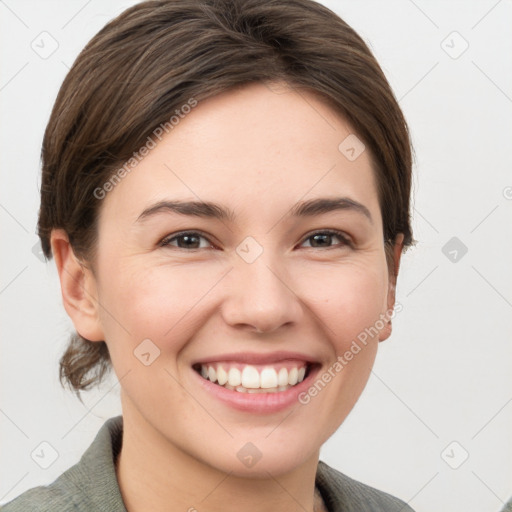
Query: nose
[261, 297]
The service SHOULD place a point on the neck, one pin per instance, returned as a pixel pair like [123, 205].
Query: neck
[155, 475]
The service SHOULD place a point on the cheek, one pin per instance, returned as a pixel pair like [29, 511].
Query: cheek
[347, 299]
[156, 302]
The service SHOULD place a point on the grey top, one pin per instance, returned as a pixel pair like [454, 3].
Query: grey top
[91, 484]
[507, 507]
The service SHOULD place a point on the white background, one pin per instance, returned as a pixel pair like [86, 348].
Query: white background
[444, 376]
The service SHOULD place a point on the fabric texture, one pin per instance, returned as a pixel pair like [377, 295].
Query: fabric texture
[91, 485]
[507, 507]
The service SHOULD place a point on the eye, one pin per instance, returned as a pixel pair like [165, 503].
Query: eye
[322, 238]
[186, 240]
[191, 240]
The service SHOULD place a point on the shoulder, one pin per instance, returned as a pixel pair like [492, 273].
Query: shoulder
[44, 499]
[90, 484]
[342, 493]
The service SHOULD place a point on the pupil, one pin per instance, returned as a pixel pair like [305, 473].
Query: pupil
[188, 238]
[316, 237]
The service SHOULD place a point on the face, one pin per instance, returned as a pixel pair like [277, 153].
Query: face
[263, 299]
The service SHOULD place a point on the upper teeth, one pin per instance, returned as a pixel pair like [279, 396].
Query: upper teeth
[252, 377]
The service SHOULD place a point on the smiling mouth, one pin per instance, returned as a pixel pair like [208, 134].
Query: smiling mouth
[247, 378]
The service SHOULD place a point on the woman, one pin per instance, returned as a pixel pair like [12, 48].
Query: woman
[225, 193]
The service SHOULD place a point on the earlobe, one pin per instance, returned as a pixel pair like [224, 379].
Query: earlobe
[78, 288]
[385, 333]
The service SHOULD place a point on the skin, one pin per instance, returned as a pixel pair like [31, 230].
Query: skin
[258, 152]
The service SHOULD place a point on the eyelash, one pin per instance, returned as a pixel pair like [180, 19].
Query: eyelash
[343, 237]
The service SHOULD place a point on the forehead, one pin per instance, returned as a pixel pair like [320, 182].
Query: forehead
[251, 148]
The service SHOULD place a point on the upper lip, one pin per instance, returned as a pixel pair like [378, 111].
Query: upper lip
[257, 358]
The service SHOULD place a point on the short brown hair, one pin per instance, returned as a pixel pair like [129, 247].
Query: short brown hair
[156, 56]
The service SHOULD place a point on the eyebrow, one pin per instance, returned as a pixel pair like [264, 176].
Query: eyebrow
[208, 209]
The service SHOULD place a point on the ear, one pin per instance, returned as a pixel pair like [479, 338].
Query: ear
[78, 288]
[397, 248]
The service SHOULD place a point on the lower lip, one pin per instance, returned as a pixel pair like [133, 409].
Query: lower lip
[258, 402]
